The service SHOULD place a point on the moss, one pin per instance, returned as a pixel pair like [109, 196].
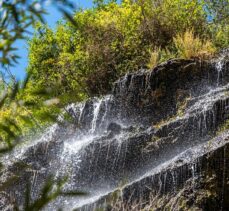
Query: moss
[223, 127]
[153, 144]
[165, 121]
[183, 97]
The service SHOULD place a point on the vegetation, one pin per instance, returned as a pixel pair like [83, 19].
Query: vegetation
[157, 56]
[15, 19]
[22, 106]
[87, 53]
[188, 46]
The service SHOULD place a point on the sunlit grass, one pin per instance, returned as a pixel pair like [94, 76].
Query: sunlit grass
[190, 46]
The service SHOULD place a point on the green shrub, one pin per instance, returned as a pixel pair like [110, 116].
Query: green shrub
[88, 53]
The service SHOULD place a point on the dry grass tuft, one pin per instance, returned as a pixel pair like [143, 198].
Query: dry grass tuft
[154, 58]
[190, 46]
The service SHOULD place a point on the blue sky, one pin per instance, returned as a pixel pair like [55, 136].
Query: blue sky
[51, 19]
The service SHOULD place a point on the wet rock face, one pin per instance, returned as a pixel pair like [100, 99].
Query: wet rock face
[201, 184]
[150, 96]
[159, 134]
[114, 128]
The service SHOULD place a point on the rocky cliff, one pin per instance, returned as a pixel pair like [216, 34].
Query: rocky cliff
[159, 141]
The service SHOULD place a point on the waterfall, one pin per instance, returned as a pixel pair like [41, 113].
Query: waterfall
[96, 110]
[129, 138]
[219, 68]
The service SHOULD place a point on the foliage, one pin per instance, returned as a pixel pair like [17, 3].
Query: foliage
[190, 46]
[16, 17]
[22, 110]
[101, 46]
[47, 195]
[22, 105]
[88, 52]
[221, 34]
[102, 3]
[217, 11]
[218, 16]
[164, 19]
[50, 191]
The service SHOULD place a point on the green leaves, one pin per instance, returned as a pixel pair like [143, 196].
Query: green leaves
[50, 191]
[14, 91]
[68, 17]
[15, 19]
[46, 196]
[22, 109]
[3, 99]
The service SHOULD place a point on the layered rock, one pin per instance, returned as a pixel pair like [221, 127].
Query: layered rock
[196, 179]
[159, 134]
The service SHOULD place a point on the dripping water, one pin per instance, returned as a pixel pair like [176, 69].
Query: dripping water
[219, 67]
[96, 109]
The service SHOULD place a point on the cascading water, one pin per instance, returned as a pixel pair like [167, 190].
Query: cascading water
[220, 64]
[137, 137]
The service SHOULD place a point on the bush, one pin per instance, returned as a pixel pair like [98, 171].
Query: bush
[86, 55]
[221, 34]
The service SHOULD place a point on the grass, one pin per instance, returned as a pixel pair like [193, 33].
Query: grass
[158, 55]
[154, 58]
[189, 46]
[182, 105]
[185, 46]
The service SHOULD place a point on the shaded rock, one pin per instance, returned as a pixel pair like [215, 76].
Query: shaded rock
[114, 128]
